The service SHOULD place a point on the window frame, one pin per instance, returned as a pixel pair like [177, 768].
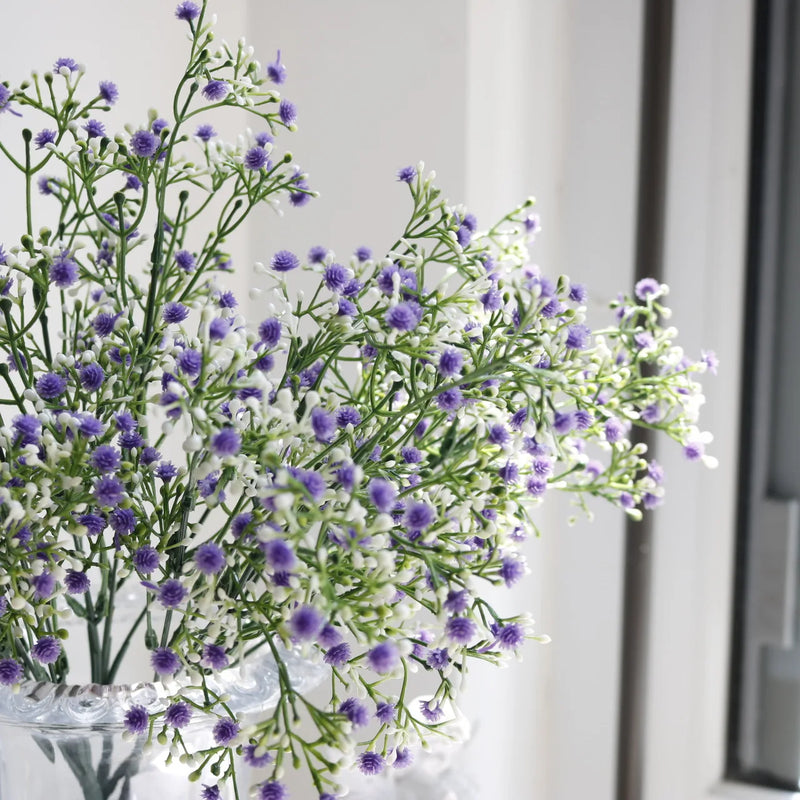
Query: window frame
[695, 531]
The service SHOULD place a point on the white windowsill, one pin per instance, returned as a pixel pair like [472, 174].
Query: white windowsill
[743, 791]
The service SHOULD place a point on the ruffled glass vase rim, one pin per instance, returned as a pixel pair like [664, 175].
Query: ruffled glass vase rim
[251, 687]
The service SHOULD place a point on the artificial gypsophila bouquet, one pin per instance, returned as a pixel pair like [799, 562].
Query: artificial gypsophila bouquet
[343, 477]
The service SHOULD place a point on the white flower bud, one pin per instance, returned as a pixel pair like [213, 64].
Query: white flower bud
[193, 443]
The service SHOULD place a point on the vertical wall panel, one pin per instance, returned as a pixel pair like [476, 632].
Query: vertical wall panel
[705, 267]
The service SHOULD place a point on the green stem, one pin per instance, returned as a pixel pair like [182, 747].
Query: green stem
[94, 639]
[112, 591]
[27, 135]
[122, 282]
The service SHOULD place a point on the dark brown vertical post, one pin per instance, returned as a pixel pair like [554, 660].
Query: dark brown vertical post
[650, 225]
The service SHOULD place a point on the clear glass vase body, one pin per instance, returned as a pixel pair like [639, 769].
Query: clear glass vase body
[60, 742]
[85, 764]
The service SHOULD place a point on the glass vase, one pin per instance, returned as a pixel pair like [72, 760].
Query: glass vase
[68, 742]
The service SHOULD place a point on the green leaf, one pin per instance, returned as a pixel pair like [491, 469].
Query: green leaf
[76, 607]
[46, 746]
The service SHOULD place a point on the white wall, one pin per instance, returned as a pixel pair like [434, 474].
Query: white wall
[565, 76]
[378, 86]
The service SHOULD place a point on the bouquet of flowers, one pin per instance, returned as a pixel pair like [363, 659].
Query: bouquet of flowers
[343, 478]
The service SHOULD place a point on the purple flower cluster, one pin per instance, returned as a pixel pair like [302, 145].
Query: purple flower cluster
[225, 731]
[46, 650]
[187, 11]
[10, 671]
[284, 261]
[384, 657]
[306, 623]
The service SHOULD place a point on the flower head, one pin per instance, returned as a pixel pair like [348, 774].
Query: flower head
[287, 112]
[694, 451]
[46, 650]
[190, 361]
[407, 174]
[27, 429]
[272, 790]
[335, 277]
[371, 763]
[209, 558]
[338, 655]
[5, 96]
[348, 415]
[45, 183]
[174, 312]
[10, 671]
[647, 287]
[144, 144]
[254, 757]
[226, 442]
[431, 710]
[404, 316]
[276, 71]
[50, 386]
[171, 593]
[283, 261]
[186, 261]
[63, 271]
[146, 559]
[511, 570]
[384, 657]
[44, 137]
[323, 424]
[263, 138]
[122, 520]
[215, 657]
[76, 582]
[450, 363]
[316, 255]
[256, 158]
[709, 358]
[305, 623]
[91, 376]
[225, 731]
[614, 430]
[187, 11]
[450, 399]
[418, 516]
[90, 426]
[137, 720]
[94, 523]
[94, 129]
[382, 494]
[438, 658]
[269, 332]
[68, 64]
[578, 337]
[108, 92]
[460, 629]
[105, 458]
[355, 711]
[510, 636]
[215, 91]
[385, 712]
[165, 661]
